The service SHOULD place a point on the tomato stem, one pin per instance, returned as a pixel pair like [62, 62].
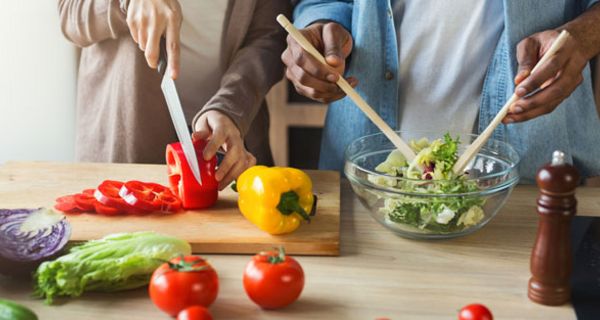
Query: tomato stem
[184, 266]
[275, 258]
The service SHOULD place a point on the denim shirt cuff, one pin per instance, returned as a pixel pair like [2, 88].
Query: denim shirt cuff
[340, 13]
[590, 3]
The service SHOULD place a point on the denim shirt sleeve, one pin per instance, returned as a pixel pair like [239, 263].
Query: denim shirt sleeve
[586, 4]
[309, 11]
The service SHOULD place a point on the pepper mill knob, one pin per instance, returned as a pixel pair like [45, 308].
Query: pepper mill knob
[551, 260]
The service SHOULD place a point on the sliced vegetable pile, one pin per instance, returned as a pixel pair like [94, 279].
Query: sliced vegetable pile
[430, 173]
[116, 262]
[28, 237]
[116, 197]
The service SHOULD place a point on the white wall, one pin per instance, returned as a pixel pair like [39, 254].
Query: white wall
[37, 84]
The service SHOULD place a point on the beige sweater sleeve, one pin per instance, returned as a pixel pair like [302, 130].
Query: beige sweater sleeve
[255, 68]
[85, 22]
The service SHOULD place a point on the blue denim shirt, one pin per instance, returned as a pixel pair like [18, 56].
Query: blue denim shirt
[574, 127]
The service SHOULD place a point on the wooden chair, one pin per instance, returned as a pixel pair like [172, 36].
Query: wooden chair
[285, 114]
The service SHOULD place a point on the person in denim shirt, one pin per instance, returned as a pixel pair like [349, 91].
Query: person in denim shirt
[359, 40]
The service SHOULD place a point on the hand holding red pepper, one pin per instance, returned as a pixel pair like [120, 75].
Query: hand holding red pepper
[220, 131]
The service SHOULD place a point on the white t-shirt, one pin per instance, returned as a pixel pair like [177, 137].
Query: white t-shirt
[200, 64]
[445, 48]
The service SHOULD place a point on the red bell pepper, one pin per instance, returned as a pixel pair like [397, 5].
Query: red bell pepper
[182, 180]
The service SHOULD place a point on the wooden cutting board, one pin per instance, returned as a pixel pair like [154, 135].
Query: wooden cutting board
[220, 229]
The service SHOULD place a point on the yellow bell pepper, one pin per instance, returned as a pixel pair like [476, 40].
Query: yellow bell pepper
[275, 199]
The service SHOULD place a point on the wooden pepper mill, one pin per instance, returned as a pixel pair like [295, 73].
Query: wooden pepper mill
[551, 260]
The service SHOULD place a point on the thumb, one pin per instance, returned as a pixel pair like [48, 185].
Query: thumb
[527, 58]
[335, 44]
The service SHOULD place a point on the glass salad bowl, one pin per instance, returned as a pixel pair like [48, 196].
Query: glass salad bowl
[426, 207]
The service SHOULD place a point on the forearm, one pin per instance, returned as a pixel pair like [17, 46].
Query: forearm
[85, 22]
[255, 68]
[586, 31]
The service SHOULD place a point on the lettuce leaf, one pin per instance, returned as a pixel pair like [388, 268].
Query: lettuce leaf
[116, 262]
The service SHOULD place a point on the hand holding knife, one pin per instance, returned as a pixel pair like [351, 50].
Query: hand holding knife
[177, 116]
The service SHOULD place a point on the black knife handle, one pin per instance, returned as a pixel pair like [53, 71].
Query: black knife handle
[162, 58]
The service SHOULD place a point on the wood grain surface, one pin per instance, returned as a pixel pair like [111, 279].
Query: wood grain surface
[376, 275]
[220, 229]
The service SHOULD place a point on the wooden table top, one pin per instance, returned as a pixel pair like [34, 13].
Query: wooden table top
[377, 275]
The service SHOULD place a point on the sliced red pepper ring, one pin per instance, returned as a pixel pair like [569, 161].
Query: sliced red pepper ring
[169, 202]
[85, 202]
[149, 196]
[106, 210]
[107, 193]
[67, 204]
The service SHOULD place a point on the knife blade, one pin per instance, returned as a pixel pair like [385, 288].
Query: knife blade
[176, 111]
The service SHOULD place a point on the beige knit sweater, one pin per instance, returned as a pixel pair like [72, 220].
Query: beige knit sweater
[121, 112]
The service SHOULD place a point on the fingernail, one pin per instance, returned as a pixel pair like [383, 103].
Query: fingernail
[517, 109]
[521, 91]
[331, 77]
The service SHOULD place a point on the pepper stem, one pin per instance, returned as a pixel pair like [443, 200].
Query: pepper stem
[290, 203]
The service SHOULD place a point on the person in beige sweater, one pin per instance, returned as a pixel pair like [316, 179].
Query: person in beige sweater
[224, 55]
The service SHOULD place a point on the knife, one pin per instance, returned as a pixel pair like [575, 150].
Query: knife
[181, 127]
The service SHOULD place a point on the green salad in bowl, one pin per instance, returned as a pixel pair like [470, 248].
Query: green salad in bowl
[424, 198]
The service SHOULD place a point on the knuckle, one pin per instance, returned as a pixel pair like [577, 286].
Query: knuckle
[299, 57]
[558, 91]
[302, 76]
[289, 75]
[314, 93]
[554, 63]
[283, 57]
[150, 55]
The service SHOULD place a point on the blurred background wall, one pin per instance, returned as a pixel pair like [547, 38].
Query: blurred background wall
[37, 86]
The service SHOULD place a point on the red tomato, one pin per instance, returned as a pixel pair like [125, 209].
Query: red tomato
[195, 313]
[177, 285]
[273, 280]
[184, 184]
[149, 196]
[475, 312]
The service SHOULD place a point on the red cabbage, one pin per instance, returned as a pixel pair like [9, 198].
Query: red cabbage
[21, 251]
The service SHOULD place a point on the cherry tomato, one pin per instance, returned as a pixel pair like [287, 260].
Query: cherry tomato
[475, 312]
[195, 313]
[273, 280]
[183, 283]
